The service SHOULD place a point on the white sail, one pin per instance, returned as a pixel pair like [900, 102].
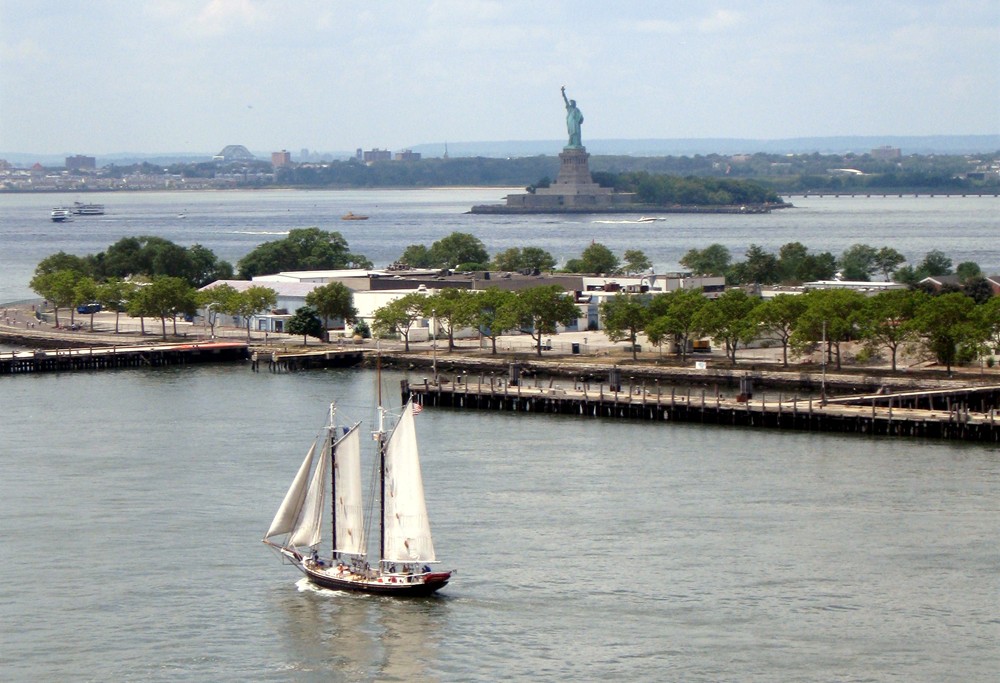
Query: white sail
[405, 526]
[349, 514]
[309, 527]
[291, 507]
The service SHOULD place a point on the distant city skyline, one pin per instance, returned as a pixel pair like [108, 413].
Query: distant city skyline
[191, 76]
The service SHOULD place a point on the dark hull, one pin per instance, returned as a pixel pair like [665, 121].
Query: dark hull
[430, 584]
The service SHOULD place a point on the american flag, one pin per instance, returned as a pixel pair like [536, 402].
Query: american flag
[417, 408]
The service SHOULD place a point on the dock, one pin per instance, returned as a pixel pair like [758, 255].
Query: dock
[126, 356]
[950, 417]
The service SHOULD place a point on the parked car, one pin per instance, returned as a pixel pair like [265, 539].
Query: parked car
[88, 308]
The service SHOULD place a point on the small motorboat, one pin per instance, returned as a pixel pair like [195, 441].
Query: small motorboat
[351, 216]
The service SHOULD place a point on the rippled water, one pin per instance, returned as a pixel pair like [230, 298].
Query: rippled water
[133, 502]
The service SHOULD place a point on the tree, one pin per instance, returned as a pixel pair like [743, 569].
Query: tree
[164, 297]
[886, 320]
[459, 250]
[221, 298]
[542, 309]
[625, 316]
[333, 300]
[934, 263]
[887, 260]
[58, 287]
[636, 261]
[712, 260]
[990, 312]
[858, 262]
[251, 302]
[948, 323]
[968, 269]
[85, 292]
[398, 316]
[728, 318]
[832, 312]
[778, 316]
[596, 258]
[674, 314]
[526, 259]
[114, 294]
[307, 323]
[759, 267]
[978, 289]
[495, 313]
[796, 264]
[303, 249]
[452, 307]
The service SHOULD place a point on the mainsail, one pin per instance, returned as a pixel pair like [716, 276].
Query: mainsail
[349, 514]
[405, 526]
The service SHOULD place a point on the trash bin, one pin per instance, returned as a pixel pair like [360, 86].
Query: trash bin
[576, 347]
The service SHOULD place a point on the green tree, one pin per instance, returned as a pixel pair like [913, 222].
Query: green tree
[596, 258]
[675, 314]
[495, 313]
[712, 260]
[990, 312]
[306, 322]
[832, 312]
[398, 316]
[303, 249]
[887, 260]
[728, 318]
[250, 302]
[416, 256]
[164, 297]
[625, 316]
[858, 262]
[459, 250]
[935, 263]
[59, 288]
[778, 316]
[333, 300]
[797, 265]
[526, 259]
[451, 308]
[948, 323]
[541, 309]
[978, 289]
[85, 292]
[222, 298]
[886, 320]
[968, 269]
[114, 294]
[759, 267]
[636, 261]
[63, 261]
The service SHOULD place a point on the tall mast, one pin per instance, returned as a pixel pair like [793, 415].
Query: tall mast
[330, 433]
[381, 460]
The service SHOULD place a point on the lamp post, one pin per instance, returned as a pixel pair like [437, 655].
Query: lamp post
[434, 346]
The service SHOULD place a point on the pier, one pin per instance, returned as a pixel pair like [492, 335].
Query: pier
[134, 356]
[951, 418]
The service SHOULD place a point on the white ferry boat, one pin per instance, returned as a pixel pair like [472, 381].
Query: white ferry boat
[81, 209]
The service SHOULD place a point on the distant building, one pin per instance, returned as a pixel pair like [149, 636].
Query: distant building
[81, 163]
[282, 158]
[376, 154]
[234, 153]
[407, 155]
[886, 153]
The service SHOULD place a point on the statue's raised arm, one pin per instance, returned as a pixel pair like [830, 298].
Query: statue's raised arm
[574, 118]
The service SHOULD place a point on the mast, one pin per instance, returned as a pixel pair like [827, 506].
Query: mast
[333, 486]
[381, 460]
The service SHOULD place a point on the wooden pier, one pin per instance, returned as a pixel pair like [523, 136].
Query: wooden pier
[135, 356]
[866, 415]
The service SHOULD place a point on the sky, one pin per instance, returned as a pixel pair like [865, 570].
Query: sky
[190, 76]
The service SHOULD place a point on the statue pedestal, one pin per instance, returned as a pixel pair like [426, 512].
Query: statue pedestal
[574, 170]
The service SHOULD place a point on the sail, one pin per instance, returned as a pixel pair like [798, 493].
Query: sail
[291, 506]
[406, 528]
[349, 515]
[308, 528]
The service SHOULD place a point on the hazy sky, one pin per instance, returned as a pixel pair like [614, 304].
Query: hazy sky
[104, 76]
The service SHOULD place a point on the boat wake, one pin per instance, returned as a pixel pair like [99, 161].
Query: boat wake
[258, 232]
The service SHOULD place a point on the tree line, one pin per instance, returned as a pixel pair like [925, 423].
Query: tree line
[951, 326]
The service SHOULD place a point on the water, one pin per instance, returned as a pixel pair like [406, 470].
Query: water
[133, 503]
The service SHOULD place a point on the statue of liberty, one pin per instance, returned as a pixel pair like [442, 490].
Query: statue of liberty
[573, 120]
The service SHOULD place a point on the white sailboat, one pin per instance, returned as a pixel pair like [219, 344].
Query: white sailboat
[406, 549]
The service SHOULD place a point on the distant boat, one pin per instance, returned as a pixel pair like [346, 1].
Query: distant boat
[61, 214]
[333, 466]
[648, 219]
[350, 216]
[81, 209]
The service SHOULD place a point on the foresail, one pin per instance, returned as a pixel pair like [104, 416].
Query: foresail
[406, 527]
[308, 529]
[295, 498]
[349, 512]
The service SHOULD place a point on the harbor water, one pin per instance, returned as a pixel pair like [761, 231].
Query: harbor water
[133, 501]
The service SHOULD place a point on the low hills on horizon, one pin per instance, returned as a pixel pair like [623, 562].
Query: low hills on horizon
[908, 144]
